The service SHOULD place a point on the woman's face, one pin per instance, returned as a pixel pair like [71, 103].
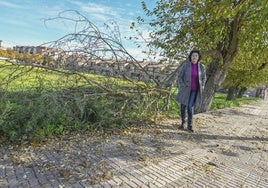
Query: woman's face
[194, 57]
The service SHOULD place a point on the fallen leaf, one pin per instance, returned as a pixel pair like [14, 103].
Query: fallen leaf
[107, 175]
[212, 164]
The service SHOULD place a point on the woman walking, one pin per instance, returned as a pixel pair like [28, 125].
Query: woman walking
[191, 82]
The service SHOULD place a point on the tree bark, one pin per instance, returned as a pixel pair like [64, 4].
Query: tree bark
[260, 92]
[216, 74]
[241, 92]
[232, 93]
[215, 77]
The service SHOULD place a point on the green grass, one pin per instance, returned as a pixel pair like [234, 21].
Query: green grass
[19, 77]
[37, 103]
[220, 102]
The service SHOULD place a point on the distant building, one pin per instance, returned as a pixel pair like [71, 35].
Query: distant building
[42, 50]
[30, 49]
[143, 70]
[1, 45]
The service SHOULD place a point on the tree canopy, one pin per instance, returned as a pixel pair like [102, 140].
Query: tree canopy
[220, 29]
[182, 25]
[249, 70]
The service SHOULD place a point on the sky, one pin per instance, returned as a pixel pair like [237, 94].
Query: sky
[22, 22]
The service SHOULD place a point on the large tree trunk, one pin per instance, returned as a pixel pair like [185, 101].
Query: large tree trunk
[215, 77]
[260, 92]
[232, 93]
[216, 74]
[241, 92]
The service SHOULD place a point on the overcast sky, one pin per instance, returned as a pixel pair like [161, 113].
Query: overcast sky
[22, 22]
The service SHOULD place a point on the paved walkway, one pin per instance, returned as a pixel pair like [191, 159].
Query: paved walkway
[228, 149]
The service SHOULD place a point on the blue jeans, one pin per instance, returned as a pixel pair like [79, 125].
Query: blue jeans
[190, 109]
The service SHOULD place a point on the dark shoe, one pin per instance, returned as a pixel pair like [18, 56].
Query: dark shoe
[181, 126]
[190, 129]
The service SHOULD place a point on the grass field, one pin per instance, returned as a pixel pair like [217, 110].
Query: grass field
[36, 103]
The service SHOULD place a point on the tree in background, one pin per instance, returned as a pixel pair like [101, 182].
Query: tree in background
[218, 28]
[20, 57]
[3, 53]
[249, 70]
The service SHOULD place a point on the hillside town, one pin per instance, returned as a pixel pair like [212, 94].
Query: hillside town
[159, 72]
[140, 70]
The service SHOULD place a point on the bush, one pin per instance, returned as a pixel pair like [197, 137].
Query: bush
[34, 115]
